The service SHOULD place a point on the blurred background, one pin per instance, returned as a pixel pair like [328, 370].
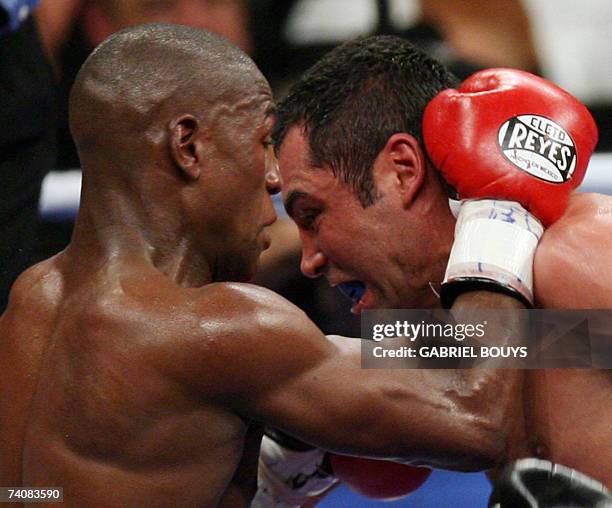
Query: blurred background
[44, 42]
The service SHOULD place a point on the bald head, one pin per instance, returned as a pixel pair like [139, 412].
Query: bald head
[140, 76]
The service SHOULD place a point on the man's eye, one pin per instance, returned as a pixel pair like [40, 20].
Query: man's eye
[267, 142]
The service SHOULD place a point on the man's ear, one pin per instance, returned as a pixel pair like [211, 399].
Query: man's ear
[406, 165]
[186, 145]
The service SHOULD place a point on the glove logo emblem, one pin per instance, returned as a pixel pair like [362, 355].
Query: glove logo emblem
[538, 146]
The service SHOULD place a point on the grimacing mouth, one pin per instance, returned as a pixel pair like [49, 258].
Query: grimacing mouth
[353, 290]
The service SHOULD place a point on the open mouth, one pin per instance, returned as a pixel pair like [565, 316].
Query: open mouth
[354, 291]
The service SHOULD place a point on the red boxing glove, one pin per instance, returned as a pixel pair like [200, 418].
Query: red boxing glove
[378, 479]
[515, 146]
[507, 134]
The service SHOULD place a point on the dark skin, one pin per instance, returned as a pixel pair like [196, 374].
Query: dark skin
[138, 363]
[561, 415]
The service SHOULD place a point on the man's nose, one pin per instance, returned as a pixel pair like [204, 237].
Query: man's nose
[313, 260]
[273, 180]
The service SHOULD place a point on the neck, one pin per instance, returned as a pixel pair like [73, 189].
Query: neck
[437, 238]
[125, 224]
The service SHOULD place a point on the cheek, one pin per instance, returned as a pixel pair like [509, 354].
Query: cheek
[342, 245]
[362, 244]
[252, 211]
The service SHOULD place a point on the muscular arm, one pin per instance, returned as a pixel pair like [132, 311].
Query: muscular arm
[272, 364]
[502, 397]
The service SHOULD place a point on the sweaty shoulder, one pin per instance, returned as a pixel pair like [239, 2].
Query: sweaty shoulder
[248, 334]
[241, 308]
[35, 292]
[572, 263]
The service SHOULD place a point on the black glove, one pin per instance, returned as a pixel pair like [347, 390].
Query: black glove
[535, 483]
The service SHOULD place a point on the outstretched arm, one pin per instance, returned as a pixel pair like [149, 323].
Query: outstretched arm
[275, 366]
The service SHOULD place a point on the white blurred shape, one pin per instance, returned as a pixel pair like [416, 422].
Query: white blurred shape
[598, 177]
[573, 41]
[61, 192]
[404, 13]
[330, 21]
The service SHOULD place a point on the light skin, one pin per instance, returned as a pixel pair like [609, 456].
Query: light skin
[332, 223]
[409, 234]
[137, 372]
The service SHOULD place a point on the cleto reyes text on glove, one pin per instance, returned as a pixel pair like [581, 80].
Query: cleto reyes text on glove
[514, 146]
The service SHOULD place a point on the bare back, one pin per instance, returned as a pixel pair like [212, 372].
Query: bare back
[569, 412]
[93, 399]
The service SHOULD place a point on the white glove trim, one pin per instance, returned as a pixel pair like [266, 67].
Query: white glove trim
[495, 240]
[288, 478]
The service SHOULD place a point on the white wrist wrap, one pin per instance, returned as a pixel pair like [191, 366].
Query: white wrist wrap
[495, 241]
[287, 478]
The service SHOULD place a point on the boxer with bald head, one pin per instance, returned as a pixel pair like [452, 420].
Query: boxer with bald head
[138, 365]
[371, 205]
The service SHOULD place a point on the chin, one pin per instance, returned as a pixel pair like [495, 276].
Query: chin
[380, 301]
[396, 301]
[251, 272]
[244, 267]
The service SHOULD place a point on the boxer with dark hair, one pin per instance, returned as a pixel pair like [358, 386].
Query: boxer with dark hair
[370, 149]
[137, 366]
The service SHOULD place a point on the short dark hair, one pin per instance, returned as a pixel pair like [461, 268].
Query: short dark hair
[355, 98]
